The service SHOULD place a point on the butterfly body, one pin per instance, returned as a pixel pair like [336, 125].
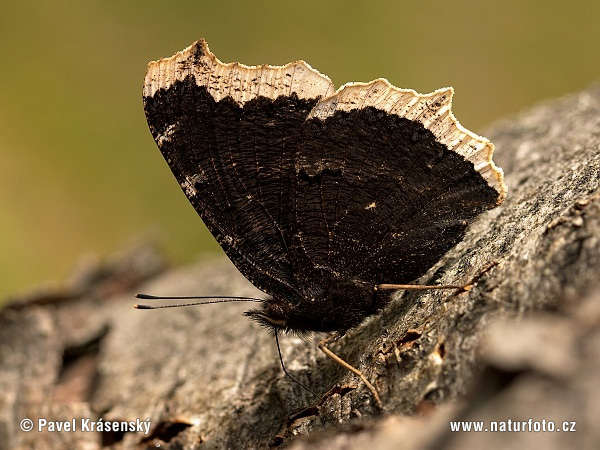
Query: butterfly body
[329, 305]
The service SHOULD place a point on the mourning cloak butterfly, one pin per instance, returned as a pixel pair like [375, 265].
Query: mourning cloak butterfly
[318, 195]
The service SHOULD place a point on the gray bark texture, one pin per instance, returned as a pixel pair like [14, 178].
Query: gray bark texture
[523, 343]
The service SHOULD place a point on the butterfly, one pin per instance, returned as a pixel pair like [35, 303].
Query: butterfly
[324, 199]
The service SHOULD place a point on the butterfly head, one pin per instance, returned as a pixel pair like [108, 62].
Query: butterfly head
[274, 315]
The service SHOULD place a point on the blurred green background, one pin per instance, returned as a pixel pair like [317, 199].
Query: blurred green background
[80, 172]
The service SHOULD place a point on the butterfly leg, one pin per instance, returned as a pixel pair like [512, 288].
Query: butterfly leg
[421, 287]
[285, 370]
[323, 347]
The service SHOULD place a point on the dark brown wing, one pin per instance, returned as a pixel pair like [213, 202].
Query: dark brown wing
[386, 183]
[227, 133]
[372, 183]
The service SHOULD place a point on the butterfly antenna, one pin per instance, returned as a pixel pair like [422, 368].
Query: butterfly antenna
[284, 369]
[216, 299]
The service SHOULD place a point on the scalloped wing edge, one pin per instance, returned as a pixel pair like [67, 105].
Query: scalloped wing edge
[236, 80]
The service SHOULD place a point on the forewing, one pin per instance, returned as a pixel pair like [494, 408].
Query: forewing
[226, 132]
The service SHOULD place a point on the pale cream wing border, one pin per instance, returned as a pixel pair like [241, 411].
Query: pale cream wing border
[240, 82]
[243, 83]
[432, 110]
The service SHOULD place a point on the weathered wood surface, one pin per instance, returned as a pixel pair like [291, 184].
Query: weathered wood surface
[523, 343]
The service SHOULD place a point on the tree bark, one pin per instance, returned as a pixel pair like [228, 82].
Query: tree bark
[523, 343]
